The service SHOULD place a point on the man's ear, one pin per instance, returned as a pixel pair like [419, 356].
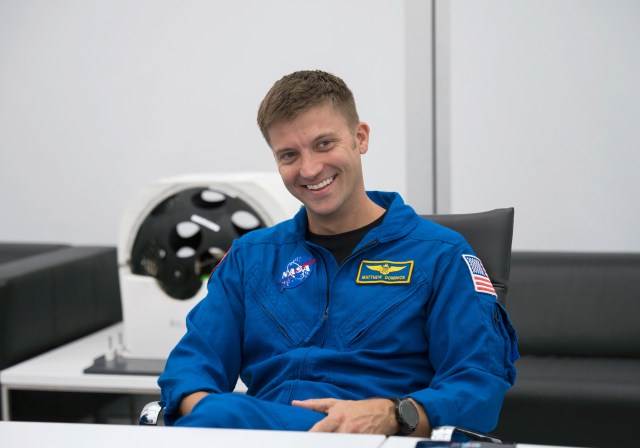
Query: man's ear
[362, 137]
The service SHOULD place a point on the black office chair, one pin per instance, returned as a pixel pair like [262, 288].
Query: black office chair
[490, 235]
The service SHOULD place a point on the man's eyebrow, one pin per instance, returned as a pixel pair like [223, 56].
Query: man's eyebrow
[277, 151]
[325, 136]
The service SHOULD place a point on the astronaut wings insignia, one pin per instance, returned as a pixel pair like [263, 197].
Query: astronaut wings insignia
[384, 272]
[385, 268]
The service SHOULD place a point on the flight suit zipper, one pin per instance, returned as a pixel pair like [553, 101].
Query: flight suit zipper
[272, 317]
[325, 314]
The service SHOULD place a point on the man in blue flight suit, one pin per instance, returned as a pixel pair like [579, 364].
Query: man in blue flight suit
[356, 315]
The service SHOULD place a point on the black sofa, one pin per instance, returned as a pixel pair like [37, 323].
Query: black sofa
[51, 294]
[578, 322]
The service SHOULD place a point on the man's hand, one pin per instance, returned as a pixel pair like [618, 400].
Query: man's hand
[190, 401]
[372, 416]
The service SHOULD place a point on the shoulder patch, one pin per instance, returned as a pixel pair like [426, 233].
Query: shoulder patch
[384, 271]
[479, 276]
[217, 264]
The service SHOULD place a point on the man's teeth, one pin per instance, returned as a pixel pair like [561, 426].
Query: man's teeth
[321, 184]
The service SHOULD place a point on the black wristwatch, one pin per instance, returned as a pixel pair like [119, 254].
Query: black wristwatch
[406, 414]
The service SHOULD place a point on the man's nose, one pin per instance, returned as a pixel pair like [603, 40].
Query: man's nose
[310, 166]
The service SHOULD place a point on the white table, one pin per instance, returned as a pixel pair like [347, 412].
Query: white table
[62, 369]
[409, 442]
[78, 435]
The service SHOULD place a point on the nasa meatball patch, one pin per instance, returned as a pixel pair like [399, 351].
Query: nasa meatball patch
[296, 272]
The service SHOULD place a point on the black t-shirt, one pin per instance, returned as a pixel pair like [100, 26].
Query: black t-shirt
[342, 244]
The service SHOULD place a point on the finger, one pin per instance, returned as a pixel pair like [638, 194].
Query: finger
[327, 424]
[319, 405]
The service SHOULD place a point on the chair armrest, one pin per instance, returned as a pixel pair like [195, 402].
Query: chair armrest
[152, 414]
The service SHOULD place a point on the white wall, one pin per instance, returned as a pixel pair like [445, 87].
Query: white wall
[99, 97]
[544, 115]
[538, 104]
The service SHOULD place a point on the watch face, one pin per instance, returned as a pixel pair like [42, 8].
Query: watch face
[409, 414]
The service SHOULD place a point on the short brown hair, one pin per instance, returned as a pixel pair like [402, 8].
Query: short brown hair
[300, 91]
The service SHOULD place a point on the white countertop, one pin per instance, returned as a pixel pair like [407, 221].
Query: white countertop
[63, 369]
[72, 435]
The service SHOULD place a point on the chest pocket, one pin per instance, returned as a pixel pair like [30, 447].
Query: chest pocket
[288, 312]
[381, 312]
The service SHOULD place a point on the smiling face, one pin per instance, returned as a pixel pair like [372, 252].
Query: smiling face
[318, 156]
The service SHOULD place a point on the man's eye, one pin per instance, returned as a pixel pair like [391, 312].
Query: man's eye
[289, 155]
[324, 144]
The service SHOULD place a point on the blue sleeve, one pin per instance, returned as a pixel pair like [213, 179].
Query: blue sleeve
[472, 347]
[207, 358]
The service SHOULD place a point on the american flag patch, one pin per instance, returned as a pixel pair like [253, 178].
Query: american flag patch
[479, 275]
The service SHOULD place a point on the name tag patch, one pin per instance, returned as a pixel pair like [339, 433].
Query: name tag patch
[384, 271]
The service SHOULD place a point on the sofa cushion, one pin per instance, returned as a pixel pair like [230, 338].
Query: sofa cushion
[571, 379]
[577, 304]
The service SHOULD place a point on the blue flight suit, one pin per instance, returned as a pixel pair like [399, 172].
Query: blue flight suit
[406, 314]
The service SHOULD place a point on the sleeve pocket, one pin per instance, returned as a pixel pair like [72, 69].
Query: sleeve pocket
[510, 340]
